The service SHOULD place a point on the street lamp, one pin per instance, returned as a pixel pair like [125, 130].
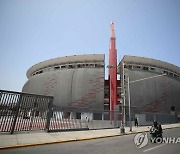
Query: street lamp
[129, 96]
[148, 78]
[129, 100]
[122, 129]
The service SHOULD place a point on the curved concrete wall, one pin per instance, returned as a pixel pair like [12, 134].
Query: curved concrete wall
[135, 60]
[79, 87]
[75, 60]
[154, 95]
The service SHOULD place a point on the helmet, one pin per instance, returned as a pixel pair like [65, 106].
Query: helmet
[155, 123]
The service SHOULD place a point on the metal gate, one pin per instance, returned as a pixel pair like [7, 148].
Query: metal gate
[66, 118]
[24, 112]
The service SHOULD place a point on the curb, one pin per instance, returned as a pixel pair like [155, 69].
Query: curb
[73, 140]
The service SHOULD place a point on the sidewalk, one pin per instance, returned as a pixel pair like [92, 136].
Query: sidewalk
[22, 139]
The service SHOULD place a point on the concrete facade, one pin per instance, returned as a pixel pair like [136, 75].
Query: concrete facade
[160, 94]
[76, 81]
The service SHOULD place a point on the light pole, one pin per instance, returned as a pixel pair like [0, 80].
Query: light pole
[148, 78]
[129, 100]
[129, 95]
[122, 130]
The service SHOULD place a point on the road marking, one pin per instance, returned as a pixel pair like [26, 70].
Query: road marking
[153, 148]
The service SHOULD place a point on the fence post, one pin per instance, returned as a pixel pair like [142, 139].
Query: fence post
[0, 96]
[33, 113]
[16, 114]
[49, 114]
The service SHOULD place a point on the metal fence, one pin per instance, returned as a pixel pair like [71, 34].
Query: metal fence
[66, 118]
[27, 112]
[23, 112]
[73, 118]
[144, 118]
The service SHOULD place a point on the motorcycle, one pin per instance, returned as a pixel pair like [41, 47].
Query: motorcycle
[156, 134]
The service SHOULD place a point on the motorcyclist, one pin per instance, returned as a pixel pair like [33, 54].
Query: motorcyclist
[154, 128]
[156, 131]
[160, 129]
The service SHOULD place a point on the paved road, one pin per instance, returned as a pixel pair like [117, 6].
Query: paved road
[114, 145]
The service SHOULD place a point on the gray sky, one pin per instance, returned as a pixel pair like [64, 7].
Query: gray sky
[32, 31]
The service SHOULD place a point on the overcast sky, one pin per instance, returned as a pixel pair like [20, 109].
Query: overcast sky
[32, 31]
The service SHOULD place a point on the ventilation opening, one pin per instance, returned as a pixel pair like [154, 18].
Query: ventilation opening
[57, 67]
[137, 67]
[145, 68]
[152, 69]
[63, 66]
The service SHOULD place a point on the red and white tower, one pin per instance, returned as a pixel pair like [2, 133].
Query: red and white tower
[113, 68]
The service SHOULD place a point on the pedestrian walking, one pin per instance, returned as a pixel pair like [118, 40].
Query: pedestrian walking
[136, 122]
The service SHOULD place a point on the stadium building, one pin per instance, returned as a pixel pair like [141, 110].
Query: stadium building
[154, 88]
[79, 81]
[76, 81]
